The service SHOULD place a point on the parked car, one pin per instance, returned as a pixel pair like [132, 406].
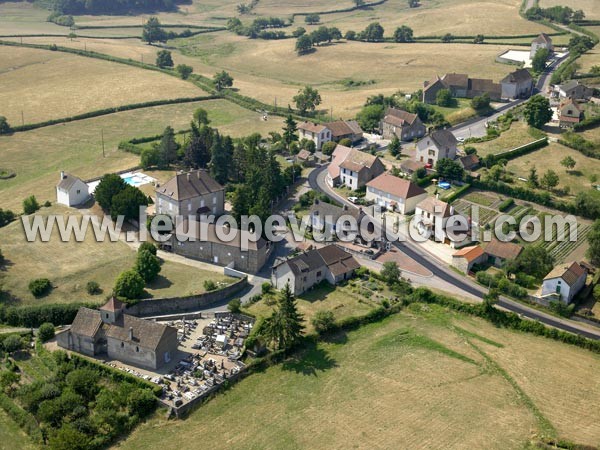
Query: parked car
[353, 199]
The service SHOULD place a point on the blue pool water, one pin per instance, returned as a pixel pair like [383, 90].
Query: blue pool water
[444, 185]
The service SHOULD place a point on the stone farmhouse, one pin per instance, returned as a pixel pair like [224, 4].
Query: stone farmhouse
[203, 243]
[499, 252]
[569, 113]
[438, 145]
[119, 336]
[345, 129]
[71, 190]
[574, 90]
[404, 125]
[542, 41]
[396, 194]
[517, 84]
[304, 271]
[315, 132]
[325, 217]
[465, 258]
[353, 168]
[564, 282]
[460, 85]
[193, 193]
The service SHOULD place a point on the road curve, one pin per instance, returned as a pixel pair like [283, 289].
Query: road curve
[317, 182]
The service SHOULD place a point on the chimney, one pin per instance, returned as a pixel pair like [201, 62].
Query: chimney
[62, 175]
[130, 333]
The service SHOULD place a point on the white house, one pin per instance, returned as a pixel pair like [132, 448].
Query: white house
[71, 190]
[542, 41]
[517, 84]
[319, 134]
[395, 193]
[564, 281]
[353, 168]
[438, 145]
[438, 220]
[573, 89]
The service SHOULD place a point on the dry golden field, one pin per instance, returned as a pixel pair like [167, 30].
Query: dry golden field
[70, 265]
[591, 8]
[50, 85]
[419, 378]
[37, 156]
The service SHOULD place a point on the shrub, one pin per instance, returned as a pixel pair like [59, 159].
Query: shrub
[209, 285]
[129, 285]
[266, 288]
[46, 331]
[597, 293]
[6, 216]
[235, 305]
[323, 321]
[147, 265]
[4, 126]
[30, 205]
[93, 288]
[148, 246]
[506, 204]
[562, 309]
[40, 287]
[12, 343]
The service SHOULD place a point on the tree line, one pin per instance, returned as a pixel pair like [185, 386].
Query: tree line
[111, 6]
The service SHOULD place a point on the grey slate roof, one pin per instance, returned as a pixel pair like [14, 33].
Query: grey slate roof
[184, 186]
[327, 209]
[146, 333]
[518, 76]
[334, 258]
[67, 181]
[87, 322]
[444, 139]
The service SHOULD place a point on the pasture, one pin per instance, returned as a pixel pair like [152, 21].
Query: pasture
[47, 85]
[426, 378]
[77, 147]
[70, 265]
[589, 7]
[517, 135]
[549, 158]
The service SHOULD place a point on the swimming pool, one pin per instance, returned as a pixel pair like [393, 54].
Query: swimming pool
[135, 179]
[444, 185]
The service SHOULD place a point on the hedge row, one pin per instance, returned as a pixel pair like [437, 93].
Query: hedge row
[516, 36]
[506, 204]
[523, 149]
[457, 193]
[34, 316]
[108, 27]
[587, 123]
[106, 111]
[505, 319]
[422, 182]
[24, 419]
[342, 10]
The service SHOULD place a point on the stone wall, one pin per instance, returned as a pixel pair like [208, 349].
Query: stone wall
[176, 305]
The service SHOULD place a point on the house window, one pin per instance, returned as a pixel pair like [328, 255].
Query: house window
[137, 349]
[189, 206]
[319, 273]
[107, 315]
[78, 192]
[122, 344]
[214, 199]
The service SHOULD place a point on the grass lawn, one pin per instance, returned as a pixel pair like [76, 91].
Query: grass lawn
[70, 265]
[344, 302]
[49, 85]
[76, 147]
[459, 113]
[426, 377]
[517, 135]
[11, 432]
[549, 158]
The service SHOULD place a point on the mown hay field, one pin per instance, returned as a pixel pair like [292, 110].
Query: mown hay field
[549, 158]
[70, 265]
[589, 7]
[419, 378]
[38, 156]
[49, 85]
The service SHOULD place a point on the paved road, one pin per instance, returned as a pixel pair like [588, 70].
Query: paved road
[464, 284]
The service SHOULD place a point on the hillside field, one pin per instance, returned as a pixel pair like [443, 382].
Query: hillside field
[77, 147]
[426, 378]
[73, 264]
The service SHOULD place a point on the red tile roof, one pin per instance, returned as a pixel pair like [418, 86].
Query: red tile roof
[395, 186]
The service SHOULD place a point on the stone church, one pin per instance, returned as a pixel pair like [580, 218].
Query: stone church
[131, 340]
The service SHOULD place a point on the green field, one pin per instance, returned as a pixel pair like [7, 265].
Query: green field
[517, 135]
[73, 85]
[70, 265]
[426, 378]
[38, 156]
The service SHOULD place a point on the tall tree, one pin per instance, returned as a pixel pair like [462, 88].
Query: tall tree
[304, 44]
[222, 80]
[164, 59]
[549, 180]
[537, 111]
[533, 180]
[289, 131]
[307, 99]
[221, 158]
[153, 32]
[167, 148]
[373, 32]
[403, 34]
[593, 238]
[568, 162]
[538, 63]
[110, 185]
[197, 151]
[284, 327]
